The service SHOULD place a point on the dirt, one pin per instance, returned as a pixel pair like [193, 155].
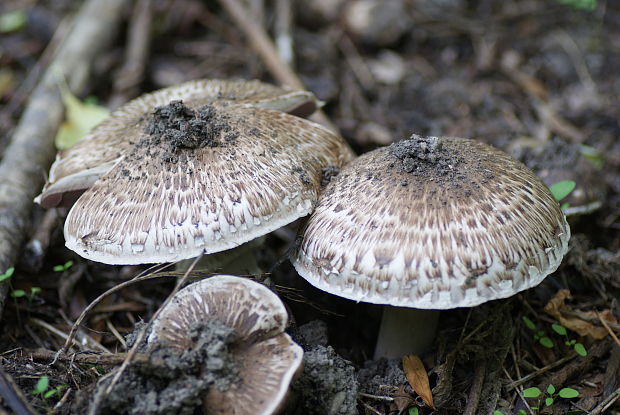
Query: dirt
[327, 385]
[537, 79]
[186, 128]
[173, 383]
[425, 156]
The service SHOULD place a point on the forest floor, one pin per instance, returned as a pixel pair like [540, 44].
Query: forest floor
[537, 79]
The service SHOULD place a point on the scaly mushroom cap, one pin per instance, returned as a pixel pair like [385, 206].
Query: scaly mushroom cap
[266, 357]
[203, 179]
[434, 223]
[77, 168]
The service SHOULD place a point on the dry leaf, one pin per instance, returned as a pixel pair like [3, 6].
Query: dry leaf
[402, 400]
[577, 320]
[418, 378]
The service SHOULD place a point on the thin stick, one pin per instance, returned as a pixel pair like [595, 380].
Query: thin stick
[609, 330]
[97, 300]
[539, 372]
[265, 48]
[63, 335]
[107, 359]
[606, 403]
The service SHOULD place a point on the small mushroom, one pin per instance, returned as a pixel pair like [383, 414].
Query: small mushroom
[169, 180]
[431, 223]
[265, 357]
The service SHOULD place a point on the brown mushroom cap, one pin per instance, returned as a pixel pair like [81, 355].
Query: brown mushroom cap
[266, 357]
[77, 168]
[165, 197]
[432, 223]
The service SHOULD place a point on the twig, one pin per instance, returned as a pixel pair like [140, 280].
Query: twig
[284, 38]
[377, 397]
[539, 372]
[108, 359]
[35, 249]
[61, 402]
[265, 48]
[54, 330]
[31, 150]
[371, 409]
[132, 71]
[609, 330]
[606, 403]
[13, 396]
[97, 300]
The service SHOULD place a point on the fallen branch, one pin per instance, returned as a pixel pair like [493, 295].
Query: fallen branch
[31, 150]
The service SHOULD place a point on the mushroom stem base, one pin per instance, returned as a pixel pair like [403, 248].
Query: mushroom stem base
[404, 331]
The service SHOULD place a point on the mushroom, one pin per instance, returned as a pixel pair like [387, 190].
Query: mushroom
[170, 180]
[79, 167]
[265, 358]
[430, 223]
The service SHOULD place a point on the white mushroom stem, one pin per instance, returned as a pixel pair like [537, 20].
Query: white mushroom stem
[404, 331]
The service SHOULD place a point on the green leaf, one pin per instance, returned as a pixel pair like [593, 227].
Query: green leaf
[42, 385]
[12, 21]
[58, 268]
[568, 393]
[80, 118]
[592, 155]
[550, 389]
[548, 401]
[546, 342]
[68, 264]
[562, 189]
[50, 393]
[532, 392]
[581, 350]
[588, 5]
[521, 412]
[35, 290]
[7, 274]
[413, 411]
[18, 293]
[559, 329]
[498, 413]
[529, 323]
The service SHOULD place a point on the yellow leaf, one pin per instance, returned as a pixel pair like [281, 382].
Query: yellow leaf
[418, 378]
[80, 118]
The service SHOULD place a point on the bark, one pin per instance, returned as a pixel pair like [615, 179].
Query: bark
[31, 151]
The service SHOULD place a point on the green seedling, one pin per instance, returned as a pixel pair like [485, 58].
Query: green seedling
[580, 4]
[578, 347]
[593, 156]
[562, 189]
[63, 267]
[7, 274]
[413, 411]
[539, 335]
[13, 21]
[30, 296]
[550, 394]
[42, 388]
[519, 412]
